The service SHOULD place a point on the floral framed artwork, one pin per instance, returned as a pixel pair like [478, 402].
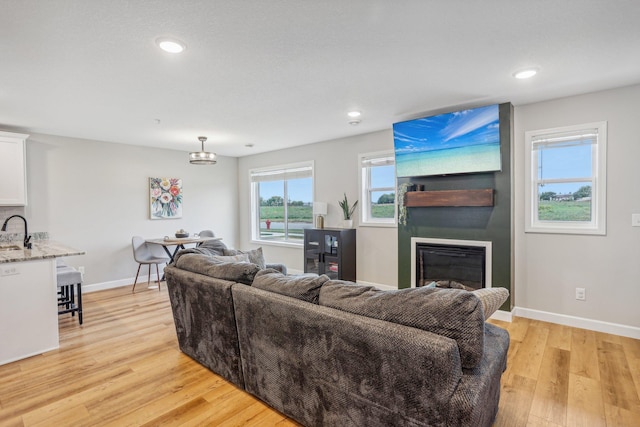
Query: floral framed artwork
[166, 198]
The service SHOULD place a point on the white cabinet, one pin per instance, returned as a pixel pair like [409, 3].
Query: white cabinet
[13, 191]
[28, 309]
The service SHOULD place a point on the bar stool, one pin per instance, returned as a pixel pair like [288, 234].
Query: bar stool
[69, 281]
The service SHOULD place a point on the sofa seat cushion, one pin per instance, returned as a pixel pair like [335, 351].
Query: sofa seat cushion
[255, 255]
[453, 313]
[305, 287]
[216, 266]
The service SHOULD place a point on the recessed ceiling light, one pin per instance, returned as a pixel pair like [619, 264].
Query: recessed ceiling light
[171, 45]
[354, 114]
[525, 74]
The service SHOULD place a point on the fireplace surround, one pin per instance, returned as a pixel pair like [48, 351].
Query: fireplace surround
[466, 261]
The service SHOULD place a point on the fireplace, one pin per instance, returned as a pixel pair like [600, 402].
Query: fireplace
[464, 261]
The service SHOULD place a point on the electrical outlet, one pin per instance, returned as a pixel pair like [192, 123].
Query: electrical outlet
[9, 271]
[635, 220]
[581, 294]
[81, 270]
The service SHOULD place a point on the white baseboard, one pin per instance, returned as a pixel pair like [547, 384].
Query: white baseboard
[579, 322]
[505, 316]
[94, 287]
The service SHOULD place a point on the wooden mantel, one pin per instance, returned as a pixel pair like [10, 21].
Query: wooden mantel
[454, 198]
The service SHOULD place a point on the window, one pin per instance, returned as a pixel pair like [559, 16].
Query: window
[567, 185]
[378, 189]
[282, 202]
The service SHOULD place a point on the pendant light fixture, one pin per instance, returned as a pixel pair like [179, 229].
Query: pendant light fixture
[202, 157]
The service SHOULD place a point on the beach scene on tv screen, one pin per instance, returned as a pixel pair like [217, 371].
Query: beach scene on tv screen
[460, 142]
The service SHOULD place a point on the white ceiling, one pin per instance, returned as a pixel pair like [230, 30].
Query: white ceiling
[280, 73]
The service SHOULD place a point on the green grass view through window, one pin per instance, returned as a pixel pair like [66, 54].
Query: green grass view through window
[272, 221]
[566, 203]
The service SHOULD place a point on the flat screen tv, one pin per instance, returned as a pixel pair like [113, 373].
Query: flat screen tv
[466, 141]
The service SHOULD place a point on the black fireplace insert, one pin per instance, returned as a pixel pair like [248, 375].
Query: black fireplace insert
[462, 264]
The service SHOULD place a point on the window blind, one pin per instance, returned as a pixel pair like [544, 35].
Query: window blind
[565, 139]
[377, 161]
[282, 174]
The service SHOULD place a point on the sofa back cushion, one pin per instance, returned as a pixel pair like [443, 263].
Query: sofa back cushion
[305, 287]
[218, 267]
[219, 259]
[452, 313]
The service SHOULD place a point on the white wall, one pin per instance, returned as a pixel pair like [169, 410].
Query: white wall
[94, 196]
[549, 267]
[336, 172]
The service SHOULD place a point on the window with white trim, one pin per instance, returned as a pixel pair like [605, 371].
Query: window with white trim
[378, 189]
[567, 179]
[282, 202]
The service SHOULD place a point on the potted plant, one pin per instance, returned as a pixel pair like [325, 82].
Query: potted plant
[347, 211]
[402, 209]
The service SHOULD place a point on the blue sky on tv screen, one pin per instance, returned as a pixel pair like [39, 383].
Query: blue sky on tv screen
[465, 128]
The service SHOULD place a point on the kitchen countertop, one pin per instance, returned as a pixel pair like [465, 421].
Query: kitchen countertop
[41, 249]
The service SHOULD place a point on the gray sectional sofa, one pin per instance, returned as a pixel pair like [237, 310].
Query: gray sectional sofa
[333, 353]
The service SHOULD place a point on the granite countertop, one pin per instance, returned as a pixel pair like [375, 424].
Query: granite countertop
[41, 249]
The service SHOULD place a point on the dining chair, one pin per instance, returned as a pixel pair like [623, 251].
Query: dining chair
[145, 253]
[206, 233]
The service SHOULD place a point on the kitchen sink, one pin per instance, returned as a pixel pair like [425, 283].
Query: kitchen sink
[10, 248]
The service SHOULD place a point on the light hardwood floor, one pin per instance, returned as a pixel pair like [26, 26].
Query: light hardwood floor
[123, 367]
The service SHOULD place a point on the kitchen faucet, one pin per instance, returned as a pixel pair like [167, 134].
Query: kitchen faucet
[27, 238]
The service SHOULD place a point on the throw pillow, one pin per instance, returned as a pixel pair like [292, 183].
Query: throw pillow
[305, 287]
[241, 272]
[491, 299]
[450, 284]
[255, 255]
[453, 313]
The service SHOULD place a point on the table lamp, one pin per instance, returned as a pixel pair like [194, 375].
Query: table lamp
[319, 210]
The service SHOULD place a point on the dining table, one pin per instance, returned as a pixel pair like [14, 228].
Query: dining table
[179, 243]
